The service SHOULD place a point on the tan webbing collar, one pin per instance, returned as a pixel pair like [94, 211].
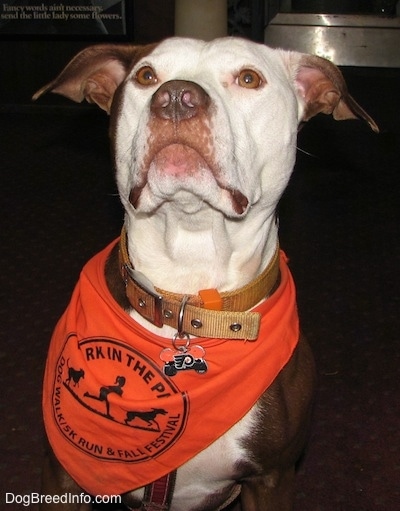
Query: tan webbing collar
[207, 314]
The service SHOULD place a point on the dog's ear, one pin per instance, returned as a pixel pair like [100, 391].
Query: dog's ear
[95, 73]
[322, 89]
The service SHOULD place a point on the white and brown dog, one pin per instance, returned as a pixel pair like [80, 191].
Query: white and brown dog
[194, 384]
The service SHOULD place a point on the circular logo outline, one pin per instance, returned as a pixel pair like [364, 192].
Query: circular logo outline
[165, 427]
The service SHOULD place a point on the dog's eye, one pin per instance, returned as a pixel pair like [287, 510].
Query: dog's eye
[146, 76]
[249, 79]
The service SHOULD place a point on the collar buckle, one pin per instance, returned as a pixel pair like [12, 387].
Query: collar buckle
[144, 297]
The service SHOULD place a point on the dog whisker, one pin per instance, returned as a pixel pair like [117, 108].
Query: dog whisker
[306, 152]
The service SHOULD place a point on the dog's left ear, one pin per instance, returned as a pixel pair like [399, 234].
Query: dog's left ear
[95, 73]
[322, 89]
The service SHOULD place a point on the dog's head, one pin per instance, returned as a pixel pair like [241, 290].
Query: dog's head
[196, 124]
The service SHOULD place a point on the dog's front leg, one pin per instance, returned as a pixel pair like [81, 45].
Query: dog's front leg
[269, 492]
[59, 492]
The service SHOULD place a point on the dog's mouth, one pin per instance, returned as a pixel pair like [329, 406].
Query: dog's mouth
[178, 167]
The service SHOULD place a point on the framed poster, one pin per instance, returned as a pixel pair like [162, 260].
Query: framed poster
[76, 19]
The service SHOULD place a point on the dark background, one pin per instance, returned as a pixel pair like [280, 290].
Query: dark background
[26, 63]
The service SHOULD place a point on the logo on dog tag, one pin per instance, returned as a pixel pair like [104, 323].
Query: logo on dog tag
[184, 358]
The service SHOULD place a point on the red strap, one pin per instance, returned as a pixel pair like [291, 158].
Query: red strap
[158, 495]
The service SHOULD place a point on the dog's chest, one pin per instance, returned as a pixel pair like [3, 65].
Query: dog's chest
[207, 481]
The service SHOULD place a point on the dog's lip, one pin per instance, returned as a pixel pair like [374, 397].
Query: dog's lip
[135, 194]
[172, 158]
[239, 201]
[179, 159]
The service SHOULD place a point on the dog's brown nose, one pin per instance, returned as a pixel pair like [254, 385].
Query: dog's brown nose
[178, 100]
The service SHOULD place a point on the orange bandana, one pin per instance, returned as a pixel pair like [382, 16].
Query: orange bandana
[117, 419]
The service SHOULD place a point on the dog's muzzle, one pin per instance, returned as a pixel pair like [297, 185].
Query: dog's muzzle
[181, 148]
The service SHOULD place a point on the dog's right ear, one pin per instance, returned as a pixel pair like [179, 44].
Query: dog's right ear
[95, 73]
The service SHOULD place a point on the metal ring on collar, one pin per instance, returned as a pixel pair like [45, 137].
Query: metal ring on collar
[181, 332]
[181, 347]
